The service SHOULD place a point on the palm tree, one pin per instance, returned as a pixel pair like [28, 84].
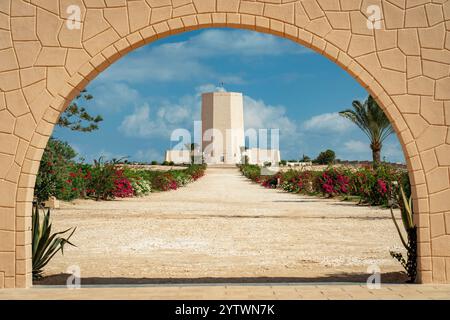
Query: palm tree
[369, 117]
[191, 147]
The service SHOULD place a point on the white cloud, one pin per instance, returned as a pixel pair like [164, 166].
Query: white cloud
[156, 67]
[393, 151]
[328, 122]
[141, 124]
[146, 121]
[114, 96]
[360, 150]
[209, 88]
[248, 43]
[259, 115]
[184, 60]
[356, 146]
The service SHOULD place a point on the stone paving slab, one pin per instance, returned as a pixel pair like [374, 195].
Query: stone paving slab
[234, 291]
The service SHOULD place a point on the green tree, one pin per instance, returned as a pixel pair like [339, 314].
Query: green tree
[370, 118]
[59, 154]
[192, 147]
[305, 158]
[76, 117]
[326, 157]
[53, 169]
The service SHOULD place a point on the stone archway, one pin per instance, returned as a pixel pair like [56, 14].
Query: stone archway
[45, 60]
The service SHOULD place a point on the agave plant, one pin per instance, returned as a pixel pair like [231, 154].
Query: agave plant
[45, 244]
[410, 243]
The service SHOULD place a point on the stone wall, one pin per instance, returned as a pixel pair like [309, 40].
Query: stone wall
[46, 59]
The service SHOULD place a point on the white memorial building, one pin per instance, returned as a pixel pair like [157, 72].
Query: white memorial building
[223, 135]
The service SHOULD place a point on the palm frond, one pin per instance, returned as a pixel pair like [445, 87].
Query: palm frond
[371, 119]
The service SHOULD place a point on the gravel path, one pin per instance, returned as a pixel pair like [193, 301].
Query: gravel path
[224, 227]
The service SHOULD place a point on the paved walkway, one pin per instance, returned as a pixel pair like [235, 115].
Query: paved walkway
[225, 229]
[243, 291]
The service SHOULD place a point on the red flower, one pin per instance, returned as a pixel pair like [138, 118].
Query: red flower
[123, 188]
[382, 187]
[328, 188]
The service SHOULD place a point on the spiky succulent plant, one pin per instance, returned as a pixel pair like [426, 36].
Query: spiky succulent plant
[45, 244]
[410, 242]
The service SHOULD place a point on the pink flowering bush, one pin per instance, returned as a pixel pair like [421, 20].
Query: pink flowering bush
[382, 186]
[297, 182]
[164, 182]
[371, 186]
[334, 182]
[65, 178]
[270, 182]
[122, 186]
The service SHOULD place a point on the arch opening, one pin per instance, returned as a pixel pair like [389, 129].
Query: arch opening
[358, 276]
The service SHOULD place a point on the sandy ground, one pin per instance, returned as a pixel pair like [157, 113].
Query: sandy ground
[223, 228]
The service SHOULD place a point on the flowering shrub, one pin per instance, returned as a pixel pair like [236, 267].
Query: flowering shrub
[53, 169]
[252, 172]
[372, 186]
[196, 171]
[297, 181]
[62, 177]
[141, 187]
[181, 177]
[174, 179]
[333, 182]
[103, 177]
[122, 186]
[164, 182]
[270, 182]
[76, 183]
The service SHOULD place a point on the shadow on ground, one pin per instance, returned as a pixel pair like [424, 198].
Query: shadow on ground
[60, 279]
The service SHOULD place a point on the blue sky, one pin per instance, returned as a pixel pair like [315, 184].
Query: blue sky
[155, 89]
